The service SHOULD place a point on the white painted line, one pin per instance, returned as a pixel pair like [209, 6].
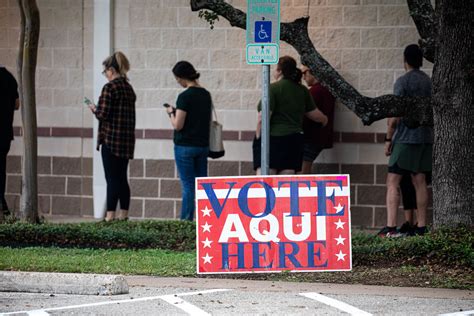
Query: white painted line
[38, 312]
[465, 313]
[184, 306]
[188, 307]
[335, 303]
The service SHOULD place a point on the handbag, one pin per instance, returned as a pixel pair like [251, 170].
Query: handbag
[216, 144]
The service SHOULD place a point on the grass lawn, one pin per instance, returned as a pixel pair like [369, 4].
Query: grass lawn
[114, 261]
[168, 263]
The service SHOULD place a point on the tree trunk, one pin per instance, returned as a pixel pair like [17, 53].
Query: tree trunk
[453, 86]
[31, 26]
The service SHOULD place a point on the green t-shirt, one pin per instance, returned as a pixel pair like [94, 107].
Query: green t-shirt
[197, 104]
[289, 102]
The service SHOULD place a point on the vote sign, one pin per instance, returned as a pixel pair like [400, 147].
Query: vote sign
[273, 223]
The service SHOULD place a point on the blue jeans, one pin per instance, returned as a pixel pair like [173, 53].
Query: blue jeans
[191, 163]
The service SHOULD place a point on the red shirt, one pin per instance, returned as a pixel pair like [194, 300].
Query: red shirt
[313, 132]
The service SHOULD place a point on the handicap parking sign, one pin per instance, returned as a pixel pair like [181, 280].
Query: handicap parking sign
[263, 31]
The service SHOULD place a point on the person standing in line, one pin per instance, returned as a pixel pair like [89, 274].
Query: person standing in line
[316, 137]
[10, 102]
[407, 189]
[411, 147]
[191, 121]
[116, 139]
[290, 101]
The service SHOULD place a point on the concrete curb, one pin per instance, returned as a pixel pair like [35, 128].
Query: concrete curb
[63, 283]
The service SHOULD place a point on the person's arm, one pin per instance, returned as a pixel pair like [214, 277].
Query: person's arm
[102, 110]
[391, 126]
[17, 104]
[317, 116]
[177, 117]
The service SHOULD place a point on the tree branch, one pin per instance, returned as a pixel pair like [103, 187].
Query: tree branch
[423, 14]
[295, 33]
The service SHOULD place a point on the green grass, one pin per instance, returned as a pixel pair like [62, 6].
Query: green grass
[116, 261]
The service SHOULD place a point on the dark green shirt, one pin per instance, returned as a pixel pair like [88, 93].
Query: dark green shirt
[289, 101]
[197, 104]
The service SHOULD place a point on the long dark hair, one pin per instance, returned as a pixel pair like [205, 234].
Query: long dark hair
[288, 68]
[185, 70]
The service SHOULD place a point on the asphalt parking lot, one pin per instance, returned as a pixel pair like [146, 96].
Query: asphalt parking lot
[193, 296]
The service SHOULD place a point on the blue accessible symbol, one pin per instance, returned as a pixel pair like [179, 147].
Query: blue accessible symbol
[263, 31]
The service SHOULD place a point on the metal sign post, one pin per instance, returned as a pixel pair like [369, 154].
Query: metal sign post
[265, 133]
[263, 37]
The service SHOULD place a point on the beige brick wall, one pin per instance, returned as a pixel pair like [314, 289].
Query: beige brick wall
[362, 39]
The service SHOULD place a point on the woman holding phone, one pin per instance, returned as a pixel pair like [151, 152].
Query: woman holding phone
[191, 122]
[116, 138]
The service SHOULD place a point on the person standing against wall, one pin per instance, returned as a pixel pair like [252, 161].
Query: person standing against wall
[411, 147]
[191, 121]
[9, 102]
[290, 101]
[116, 139]
[316, 136]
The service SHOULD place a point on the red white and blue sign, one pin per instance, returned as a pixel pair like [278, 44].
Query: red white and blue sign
[273, 223]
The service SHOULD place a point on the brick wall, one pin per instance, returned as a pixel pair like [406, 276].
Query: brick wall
[65, 187]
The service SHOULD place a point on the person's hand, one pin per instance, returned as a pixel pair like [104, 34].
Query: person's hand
[92, 107]
[170, 111]
[388, 148]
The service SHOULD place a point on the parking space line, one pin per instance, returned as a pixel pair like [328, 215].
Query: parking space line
[38, 313]
[175, 300]
[463, 313]
[184, 306]
[335, 303]
[43, 311]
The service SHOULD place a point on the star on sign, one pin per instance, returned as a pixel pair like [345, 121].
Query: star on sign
[339, 224]
[340, 240]
[207, 258]
[206, 212]
[340, 256]
[207, 243]
[339, 208]
[206, 227]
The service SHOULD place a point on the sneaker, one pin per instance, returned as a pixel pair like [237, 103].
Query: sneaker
[420, 231]
[407, 230]
[388, 232]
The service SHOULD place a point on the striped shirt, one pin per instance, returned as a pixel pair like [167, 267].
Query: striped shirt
[116, 115]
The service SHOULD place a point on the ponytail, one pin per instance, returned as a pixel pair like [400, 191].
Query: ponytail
[288, 68]
[119, 62]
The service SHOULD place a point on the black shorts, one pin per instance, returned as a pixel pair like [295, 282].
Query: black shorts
[406, 186]
[311, 151]
[286, 152]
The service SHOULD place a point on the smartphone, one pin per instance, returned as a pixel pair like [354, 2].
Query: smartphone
[166, 105]
[87, 101]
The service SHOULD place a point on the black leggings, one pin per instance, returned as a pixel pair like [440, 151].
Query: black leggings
[115, 169]
[4, 149]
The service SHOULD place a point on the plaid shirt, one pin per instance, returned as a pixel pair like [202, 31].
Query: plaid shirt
[116, 115]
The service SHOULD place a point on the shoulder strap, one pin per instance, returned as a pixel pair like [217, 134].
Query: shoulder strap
[213, 111]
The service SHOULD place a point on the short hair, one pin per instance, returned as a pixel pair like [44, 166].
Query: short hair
[413, 55]
[185, 70]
